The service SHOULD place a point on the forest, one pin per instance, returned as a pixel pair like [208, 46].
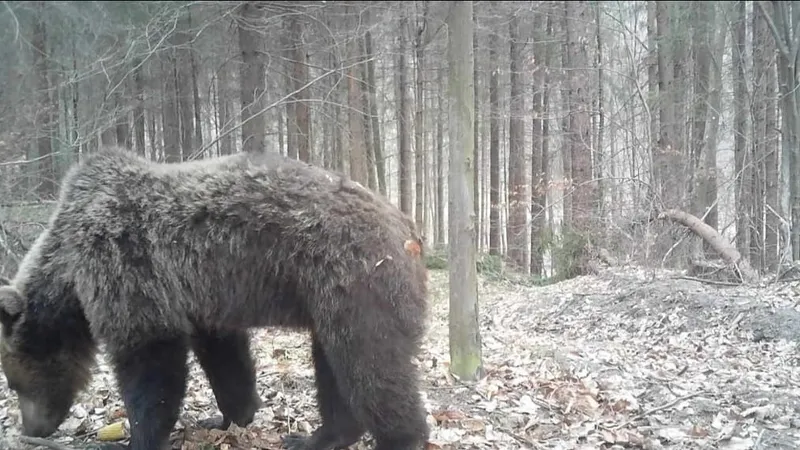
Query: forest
[608, 191]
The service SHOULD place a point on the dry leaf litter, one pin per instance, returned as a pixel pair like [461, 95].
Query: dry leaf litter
[629, 358]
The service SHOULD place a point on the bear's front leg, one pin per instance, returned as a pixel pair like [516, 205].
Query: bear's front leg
[227, 362]
[152, 380]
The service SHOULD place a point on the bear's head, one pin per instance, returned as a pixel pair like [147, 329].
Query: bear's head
[43, 372]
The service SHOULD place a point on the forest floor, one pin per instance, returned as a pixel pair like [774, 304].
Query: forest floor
[630, 358]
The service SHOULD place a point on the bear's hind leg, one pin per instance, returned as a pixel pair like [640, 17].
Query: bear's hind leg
[372, 364]
[339, 428]
[225, 358]
[152, 380]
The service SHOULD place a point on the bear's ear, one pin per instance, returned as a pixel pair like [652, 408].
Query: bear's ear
[11, 304]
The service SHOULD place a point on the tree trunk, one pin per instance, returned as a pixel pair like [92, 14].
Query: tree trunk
[440, 165]
[465, 339]
[652, 73]
[577, 13]
[703, 16]
[138, 110]
[302, 116]
[476, 156]
[358, 152]
[419, 121]
[224, 111]
[538, 177]
[667, 154]
[377, 141]
[252, 79]
[761, 41]
[519, 194]
[785, 27]
[743, 164]
[170, 121]
[184, 88]
[771, 152]
[198, 107]
[366, 100]
[599, 151]
[494, 147]
[47, 182]
[403, 122]
[680, 78]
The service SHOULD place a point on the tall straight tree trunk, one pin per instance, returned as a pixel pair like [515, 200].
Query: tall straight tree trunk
[703, 15]
[183, 71]
[519, 194]
[138, 109]
[357, 143]
[771, 152]
[466, 360]
[170, 120]
[667, 153]
[494, 147]
[761, 40]
[652, 72]
[47, 182]
[476, 156]
[599, 151]
[419, 120]
[377, 141]
[252, 79]
[743, 164]
[709, 190]
[538, 177]
[577, 13]
[784, 22]
[302, 116]
[440, 165]
[366, 100]
[224, 111]
[403, 122]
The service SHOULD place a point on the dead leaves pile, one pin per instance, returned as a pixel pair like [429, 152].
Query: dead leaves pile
[625, 359]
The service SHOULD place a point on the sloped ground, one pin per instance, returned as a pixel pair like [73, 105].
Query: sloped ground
[627, 359]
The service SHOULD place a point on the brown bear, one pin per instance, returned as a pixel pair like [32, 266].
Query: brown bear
[152, 260]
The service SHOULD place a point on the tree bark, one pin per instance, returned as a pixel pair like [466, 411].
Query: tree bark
[47, 182]
[138, 109]
[538, 176]
[419, 120]
[667, 154]
[253, 83]
[403, 122]
[495, 237]
[465, 339]
[703, 16]
[377, 141]
[357, 143]
[583, 195]
[519, 193]
[440, 165]
[743, 164]
[302, 116]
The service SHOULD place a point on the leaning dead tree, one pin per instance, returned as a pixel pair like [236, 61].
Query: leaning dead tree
[728, 251]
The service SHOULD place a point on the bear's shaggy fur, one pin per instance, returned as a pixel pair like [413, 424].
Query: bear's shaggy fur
[155, 259]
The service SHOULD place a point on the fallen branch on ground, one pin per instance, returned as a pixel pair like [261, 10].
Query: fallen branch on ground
[43, 443]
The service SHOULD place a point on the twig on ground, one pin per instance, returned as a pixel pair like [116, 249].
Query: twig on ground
[43, 443]
[707, 281]
[656, 409]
